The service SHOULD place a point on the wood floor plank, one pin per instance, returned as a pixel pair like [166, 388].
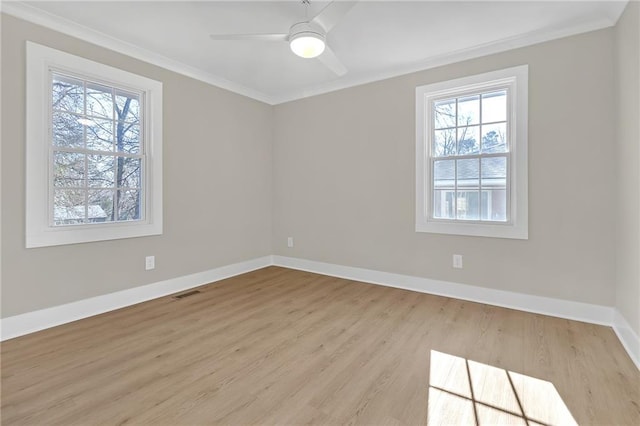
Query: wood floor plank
[278, 346]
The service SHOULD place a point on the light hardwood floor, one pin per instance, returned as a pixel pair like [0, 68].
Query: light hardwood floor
[278, 346]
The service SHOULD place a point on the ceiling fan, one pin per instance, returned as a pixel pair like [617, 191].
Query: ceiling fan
[307, 38]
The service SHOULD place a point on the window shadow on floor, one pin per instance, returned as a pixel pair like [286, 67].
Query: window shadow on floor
[463, 391]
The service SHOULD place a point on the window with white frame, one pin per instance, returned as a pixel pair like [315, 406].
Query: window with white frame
[94, 151]
[471, 148]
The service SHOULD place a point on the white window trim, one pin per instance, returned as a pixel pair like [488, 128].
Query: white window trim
[39, 232]
[517, 227]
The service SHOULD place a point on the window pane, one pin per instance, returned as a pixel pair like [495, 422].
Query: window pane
[68, 169]
[443, 207]
[443, 174]
[100, 207]
[494, 172]
[68, 94]
[128, 137]
[101, 171]
[444, 114]
[129, 205]
[494, 138]
[467, 207]
[469, 110]
[99, 101]
[100, 135]
[444, 143]
[494, 205]
[468, 173]
[469, 140]
[494, 107]
[68, 206]
[67, 131]
[129, 172]
[127, 106]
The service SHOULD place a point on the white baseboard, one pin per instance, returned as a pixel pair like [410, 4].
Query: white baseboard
[30, 322]
[578, 311]
[627, 336]
[50, 317]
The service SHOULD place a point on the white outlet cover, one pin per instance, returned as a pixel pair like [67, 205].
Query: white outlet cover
[149, 262]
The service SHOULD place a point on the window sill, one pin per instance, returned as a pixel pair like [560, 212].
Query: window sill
[57, 236]
[475, 229]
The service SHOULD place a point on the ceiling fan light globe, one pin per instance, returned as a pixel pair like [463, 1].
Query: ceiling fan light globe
[307, 45]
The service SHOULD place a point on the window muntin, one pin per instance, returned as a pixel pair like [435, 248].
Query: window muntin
[469, 203]
[97, 152]
[105, 164]
[469, 154]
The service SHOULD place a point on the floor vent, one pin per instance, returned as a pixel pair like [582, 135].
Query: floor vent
[187, 294]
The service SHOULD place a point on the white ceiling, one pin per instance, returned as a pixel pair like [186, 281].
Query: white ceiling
[375, 39]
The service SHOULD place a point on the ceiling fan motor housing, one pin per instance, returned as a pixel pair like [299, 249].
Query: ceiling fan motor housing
[306, 40]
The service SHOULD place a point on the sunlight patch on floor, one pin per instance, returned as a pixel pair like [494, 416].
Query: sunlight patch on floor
[463, 391]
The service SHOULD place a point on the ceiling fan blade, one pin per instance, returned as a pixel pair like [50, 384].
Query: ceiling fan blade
[331, 61]
[332, 13]
[262, 37]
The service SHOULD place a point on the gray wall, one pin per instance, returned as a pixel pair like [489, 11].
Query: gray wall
[336, 172]
[344, 178]
[628, 164]
[217, 186]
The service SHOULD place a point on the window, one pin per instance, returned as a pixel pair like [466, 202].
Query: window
[94, 151]
[471, 147]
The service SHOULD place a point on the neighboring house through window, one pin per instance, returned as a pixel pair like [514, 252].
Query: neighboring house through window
[471, 148]
[94, 151]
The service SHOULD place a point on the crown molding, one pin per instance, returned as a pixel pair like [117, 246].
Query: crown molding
[39, 17]
[474, 52]
[65, 26]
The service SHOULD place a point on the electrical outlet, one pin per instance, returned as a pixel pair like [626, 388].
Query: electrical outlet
[149, 262]
[290, 242]
[457, 261]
